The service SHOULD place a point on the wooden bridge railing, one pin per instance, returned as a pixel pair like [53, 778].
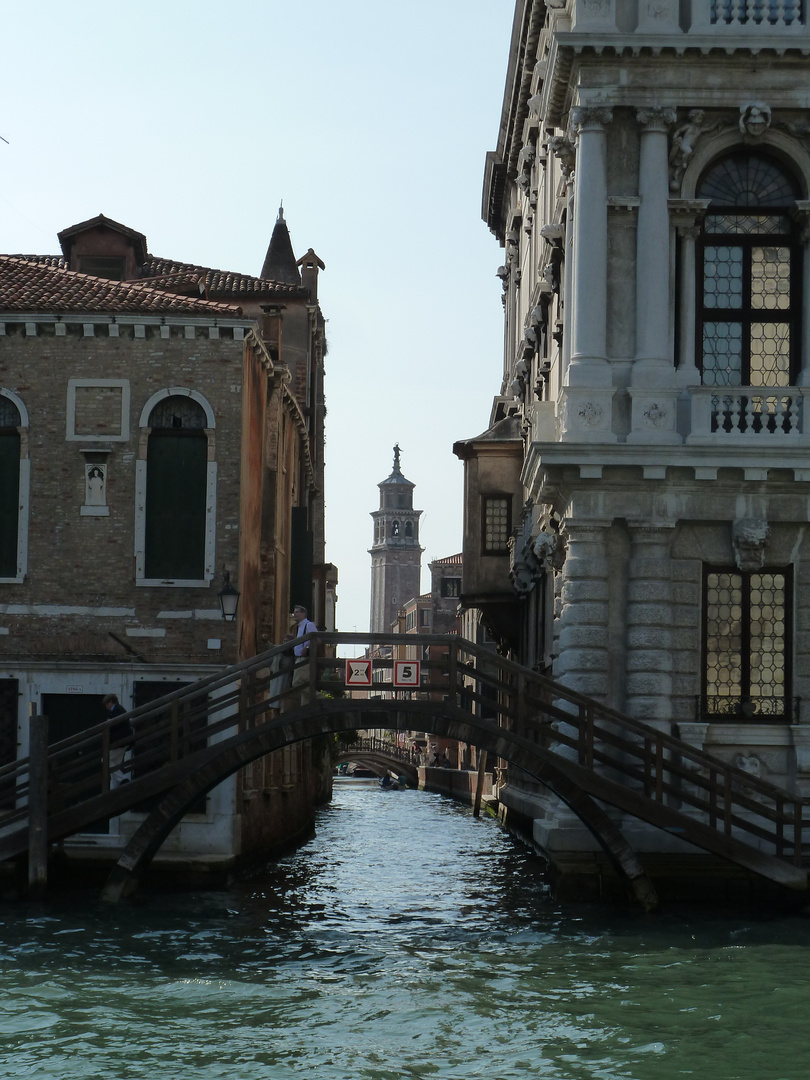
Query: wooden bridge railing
[613, 754]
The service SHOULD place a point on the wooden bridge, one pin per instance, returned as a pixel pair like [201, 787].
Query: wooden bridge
[592, 757]
[381, 757]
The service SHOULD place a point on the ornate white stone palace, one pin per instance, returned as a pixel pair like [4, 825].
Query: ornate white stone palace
[637, 513]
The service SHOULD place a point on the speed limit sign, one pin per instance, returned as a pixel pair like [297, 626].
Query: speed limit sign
[406, 674]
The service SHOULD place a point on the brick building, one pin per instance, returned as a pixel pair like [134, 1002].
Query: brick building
[161, 435]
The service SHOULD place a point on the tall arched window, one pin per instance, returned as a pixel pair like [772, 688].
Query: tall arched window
[15, 477]
[10, 423]
[176, 484]
[749, 288]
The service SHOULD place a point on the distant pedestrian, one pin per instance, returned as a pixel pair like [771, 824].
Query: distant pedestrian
[118, 732]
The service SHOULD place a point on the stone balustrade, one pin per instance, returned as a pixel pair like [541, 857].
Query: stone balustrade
[695, 17]
[761, 413]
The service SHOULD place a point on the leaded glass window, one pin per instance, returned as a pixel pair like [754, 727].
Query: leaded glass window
[748, 288]
[497, 525]
[746, 644]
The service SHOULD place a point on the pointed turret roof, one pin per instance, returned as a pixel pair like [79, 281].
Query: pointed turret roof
[279, 262]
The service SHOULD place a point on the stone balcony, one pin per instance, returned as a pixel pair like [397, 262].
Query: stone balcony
[696, 17]
[765, 415]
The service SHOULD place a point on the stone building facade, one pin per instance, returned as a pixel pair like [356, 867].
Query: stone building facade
[636, 515]
[161, 435]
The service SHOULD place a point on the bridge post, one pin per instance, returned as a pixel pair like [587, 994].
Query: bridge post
[479, 783]
[37, 803]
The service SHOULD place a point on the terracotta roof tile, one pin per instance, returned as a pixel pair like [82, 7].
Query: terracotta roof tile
[36, 284]
[221, 282]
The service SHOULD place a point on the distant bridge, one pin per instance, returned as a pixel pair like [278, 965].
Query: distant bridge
[589, 755]
[381, 757]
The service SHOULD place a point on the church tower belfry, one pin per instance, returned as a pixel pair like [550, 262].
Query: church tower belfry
[396, 557]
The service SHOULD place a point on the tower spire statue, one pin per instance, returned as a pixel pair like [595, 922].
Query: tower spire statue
[396, 556]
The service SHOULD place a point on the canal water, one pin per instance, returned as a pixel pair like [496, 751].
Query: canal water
[406, 940]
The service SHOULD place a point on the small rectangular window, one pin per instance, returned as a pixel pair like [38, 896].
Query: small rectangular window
[106, 266]
[451, 586]
[497, 524]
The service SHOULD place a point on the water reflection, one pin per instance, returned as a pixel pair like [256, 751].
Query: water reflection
[407, 939]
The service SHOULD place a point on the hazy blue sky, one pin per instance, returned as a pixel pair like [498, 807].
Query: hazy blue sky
[189, 120]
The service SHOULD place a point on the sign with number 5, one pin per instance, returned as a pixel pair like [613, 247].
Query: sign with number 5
[406, 674]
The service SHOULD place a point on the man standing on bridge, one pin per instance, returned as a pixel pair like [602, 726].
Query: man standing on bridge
[301, 649]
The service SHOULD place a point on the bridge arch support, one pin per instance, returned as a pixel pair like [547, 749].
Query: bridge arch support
[329, 717]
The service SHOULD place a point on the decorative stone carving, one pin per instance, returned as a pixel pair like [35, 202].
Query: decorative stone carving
[590, 414]
[554, 233]
[748, 538]
[591, 116]
[749, 763]
[684, 141]
[563, 149]
[654, 414]
[755, 119]
[657, 118]
[549, 549]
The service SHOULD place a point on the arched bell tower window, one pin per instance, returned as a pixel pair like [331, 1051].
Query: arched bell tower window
[749, 287]
[176, 491]
[14, 484]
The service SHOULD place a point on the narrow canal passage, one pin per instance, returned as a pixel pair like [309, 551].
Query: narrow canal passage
[408, 939]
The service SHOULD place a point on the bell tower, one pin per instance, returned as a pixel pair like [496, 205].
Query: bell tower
[396, 557]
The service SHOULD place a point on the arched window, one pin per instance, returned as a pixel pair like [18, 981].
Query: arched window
[409, 529]
[10, 422]
[395, 528]
[175, 510]
[15, 473]
[748, 285]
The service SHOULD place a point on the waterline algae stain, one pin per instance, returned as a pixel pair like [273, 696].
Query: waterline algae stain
[407, 940]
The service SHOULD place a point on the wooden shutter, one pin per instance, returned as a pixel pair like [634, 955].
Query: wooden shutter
[176, 472]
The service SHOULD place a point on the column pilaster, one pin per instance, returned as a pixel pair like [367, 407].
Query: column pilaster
[687, 216]
[586, 406]
[649, 625]
[653, 388]
[801, 214]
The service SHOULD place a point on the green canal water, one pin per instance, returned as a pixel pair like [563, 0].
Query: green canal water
[408, 939]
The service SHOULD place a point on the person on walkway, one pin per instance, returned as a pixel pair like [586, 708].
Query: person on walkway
[301, 650]
[119, 731]
[282, 670]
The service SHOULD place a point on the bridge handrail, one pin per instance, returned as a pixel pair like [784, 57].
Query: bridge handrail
[526, 702]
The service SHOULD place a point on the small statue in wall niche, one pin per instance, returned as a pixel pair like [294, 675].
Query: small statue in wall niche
[755, 118]
[95, 485]
[684, 140]
[748, 539]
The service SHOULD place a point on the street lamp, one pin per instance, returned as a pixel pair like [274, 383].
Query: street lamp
[228, 599]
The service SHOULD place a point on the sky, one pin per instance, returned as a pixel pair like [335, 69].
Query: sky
[191, 120]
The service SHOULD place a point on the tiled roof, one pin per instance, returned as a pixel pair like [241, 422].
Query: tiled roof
[37, 285]
[221, 282]
[454, 560]
[172, 275]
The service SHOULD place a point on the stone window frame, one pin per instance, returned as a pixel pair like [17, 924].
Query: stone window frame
[210, 494]
[793, 155]
[746, 313]
[70, 433]
[25, 491]
[788, 641]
